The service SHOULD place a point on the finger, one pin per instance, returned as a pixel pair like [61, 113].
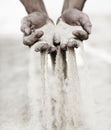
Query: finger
[86, 24]
[40, 46]
[57, 39]
[81, 35]
[87, 27]
[63, 46]
[73, 44]
[33, 38]
[26, 26]
[39, 34]
[44, 47]
[52, 49]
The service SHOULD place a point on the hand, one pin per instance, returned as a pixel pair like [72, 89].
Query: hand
[35, 27]
[65, 37]
[45, 42]
[75, 17]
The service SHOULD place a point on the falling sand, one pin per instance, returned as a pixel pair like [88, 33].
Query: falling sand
[56, 103]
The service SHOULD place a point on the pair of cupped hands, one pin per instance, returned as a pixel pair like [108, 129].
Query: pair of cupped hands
[40, 32]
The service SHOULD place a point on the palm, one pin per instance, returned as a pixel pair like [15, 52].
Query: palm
[76, 17]
[36, 28]
[64, 35]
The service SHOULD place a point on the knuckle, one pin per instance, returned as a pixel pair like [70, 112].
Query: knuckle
[26, 42]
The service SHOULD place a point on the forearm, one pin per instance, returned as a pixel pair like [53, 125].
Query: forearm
[78, 4]
[34, 5]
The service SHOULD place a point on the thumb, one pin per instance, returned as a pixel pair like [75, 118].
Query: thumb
[26, 26]
[87, 27]
[56, 39]
[86, 24]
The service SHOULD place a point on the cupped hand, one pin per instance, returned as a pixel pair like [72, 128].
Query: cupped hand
[45, 42]
[75, 17]
[64, 35]
[33, 21]
[34, 27]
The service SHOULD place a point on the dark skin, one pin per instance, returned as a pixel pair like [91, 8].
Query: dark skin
[37, 17]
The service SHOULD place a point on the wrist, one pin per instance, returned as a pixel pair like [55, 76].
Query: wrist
[34, 5]
[69, 11]
[31, 10]
[76, 4]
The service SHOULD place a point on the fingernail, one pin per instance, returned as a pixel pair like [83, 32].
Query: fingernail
[39, 34]
[27, 31]
[87, 28]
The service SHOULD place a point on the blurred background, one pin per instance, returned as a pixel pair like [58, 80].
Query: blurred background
[14, 59]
